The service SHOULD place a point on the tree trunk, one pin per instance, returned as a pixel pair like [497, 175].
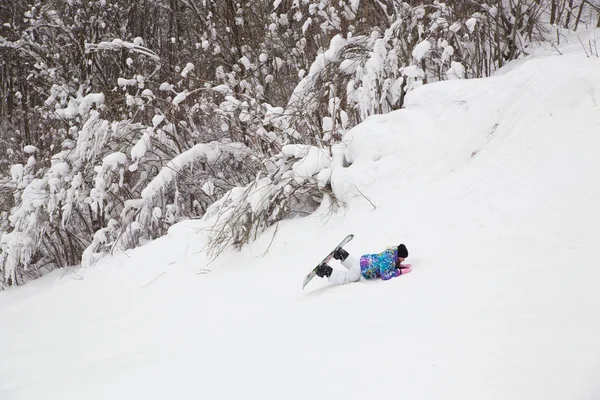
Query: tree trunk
[568, 20]
[579, 15]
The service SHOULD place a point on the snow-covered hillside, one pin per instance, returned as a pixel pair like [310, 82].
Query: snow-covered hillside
[493, 186]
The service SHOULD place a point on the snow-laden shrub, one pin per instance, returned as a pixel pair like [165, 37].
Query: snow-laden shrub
[164, 201]
[295, 183]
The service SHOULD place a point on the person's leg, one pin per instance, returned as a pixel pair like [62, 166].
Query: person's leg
[335, 276]
[350, 274]
[353, 266]
[338, 276]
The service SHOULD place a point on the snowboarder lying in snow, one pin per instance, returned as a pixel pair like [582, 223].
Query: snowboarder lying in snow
[386, 265]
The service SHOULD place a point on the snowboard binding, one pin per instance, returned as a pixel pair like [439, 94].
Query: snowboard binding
[340, 254]
[324, 270]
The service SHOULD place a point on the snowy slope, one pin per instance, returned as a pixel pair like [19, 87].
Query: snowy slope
[493, 186]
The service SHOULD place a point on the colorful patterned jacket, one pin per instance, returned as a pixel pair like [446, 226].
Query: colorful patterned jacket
[380, 265]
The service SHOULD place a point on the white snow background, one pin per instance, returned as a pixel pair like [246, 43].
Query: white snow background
[494, 186]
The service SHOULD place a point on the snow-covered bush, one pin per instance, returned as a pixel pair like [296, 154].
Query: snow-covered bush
[206, 168]
[295, 183]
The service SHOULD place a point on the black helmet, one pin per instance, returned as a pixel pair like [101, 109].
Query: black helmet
[402, 251]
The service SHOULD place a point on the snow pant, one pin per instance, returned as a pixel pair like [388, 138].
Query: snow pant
[350, 274]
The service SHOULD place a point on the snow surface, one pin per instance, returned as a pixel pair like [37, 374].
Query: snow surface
[115, 159]
[188, 68]
[491, 183]
[421, 50]
[180, 97]
[471, 22]
[29, 149]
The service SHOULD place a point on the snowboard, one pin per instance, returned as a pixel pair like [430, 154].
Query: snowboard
[313, 273]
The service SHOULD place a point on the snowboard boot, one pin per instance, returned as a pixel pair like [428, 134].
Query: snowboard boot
[340, 254]
[324, 270]
[403, 266]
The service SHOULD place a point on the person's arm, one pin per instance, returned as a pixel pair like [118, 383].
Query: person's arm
[387, 268]
[390, 274]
